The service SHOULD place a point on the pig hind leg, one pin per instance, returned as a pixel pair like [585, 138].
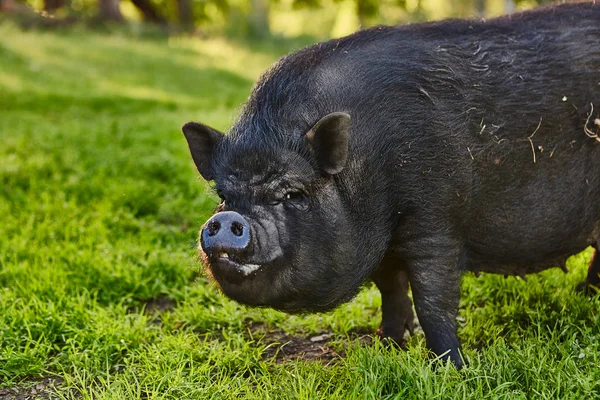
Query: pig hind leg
[398, 317]
[592, 282]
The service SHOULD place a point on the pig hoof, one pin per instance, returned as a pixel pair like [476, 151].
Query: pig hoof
[389, 340]
[396, 337]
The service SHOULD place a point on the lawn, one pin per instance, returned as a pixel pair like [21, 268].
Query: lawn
[101, 292]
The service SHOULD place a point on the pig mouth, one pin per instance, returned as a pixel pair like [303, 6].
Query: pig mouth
[231, 270]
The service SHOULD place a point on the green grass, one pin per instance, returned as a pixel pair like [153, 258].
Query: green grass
[99, 211]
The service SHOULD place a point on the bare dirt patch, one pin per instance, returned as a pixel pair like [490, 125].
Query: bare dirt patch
[40, 389]
[154, 307]
[325, 347]
[159, 304]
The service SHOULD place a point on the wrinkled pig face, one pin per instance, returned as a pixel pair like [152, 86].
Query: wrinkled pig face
[279, 237]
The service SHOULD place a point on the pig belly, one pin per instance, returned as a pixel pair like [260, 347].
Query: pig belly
[513, 252]
[520, 226]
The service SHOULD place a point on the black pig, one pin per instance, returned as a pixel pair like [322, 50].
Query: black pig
[408, 155]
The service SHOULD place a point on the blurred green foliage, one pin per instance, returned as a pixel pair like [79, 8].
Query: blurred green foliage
[318, 18]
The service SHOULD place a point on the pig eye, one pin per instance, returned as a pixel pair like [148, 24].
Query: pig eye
[292, 196]
[295, 199]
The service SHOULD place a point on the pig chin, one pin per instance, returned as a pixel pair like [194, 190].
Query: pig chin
[246, 282]
[264, 285]
[270, 285]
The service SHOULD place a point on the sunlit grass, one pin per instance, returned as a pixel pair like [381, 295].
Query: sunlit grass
[99, 211]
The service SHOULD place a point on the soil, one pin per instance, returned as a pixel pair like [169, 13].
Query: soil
[325, 347]
[154, 307]
[39, 389]
[159, 304]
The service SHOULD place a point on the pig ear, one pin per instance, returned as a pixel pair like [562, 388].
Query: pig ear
[202, 140]
[329, 140]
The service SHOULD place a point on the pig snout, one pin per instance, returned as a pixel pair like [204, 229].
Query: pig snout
[226, 234]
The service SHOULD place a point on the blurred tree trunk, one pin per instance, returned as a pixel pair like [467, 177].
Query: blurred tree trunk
[509, 6]
[7, 5]
[53, 5]
[480, 7]
[259, 18]
[364, 10]
[362, 18]
[186, 14]
[149, 12]
[109, 11]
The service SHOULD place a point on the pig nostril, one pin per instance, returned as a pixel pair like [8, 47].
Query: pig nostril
[237, 228]
[213, 228]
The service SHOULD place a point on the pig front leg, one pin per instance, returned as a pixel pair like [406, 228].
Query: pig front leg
[435, 282]
[396, 307]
